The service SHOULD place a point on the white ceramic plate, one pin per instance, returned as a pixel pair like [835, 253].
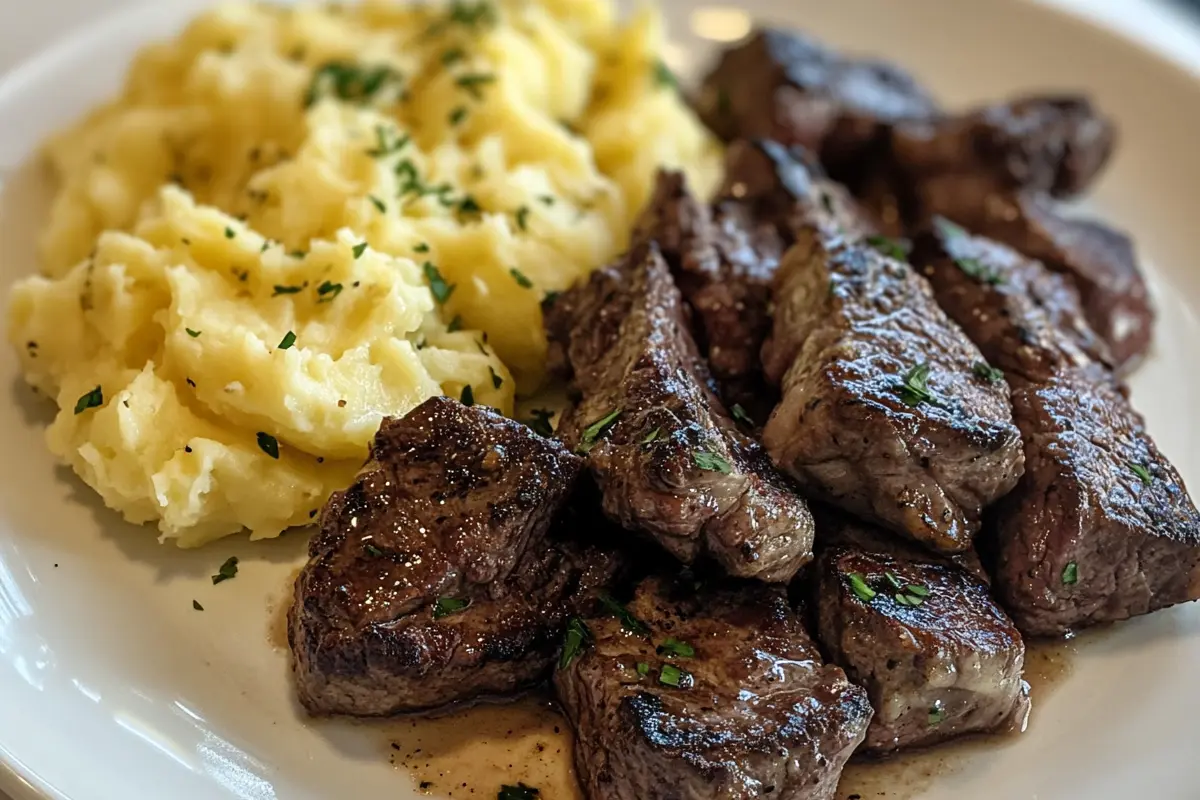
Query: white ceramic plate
[112, 686]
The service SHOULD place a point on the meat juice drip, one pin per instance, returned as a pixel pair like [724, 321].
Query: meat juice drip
[1047, 665]
[472, 752]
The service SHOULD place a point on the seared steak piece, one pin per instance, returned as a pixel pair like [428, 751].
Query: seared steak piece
[721, 695]
[1053, 145]
[785, 86]
[1101, 527]
[994, 170]
[922, 635]
[432, 580]
[724, 258]
[666, 456]
[883, 414]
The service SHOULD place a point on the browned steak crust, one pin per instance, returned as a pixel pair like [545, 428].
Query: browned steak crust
[882, 412]
[667, 458]
[1101, 527]
[432, 580]
[755, 712]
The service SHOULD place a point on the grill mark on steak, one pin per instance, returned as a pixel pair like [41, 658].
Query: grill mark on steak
[1084, 538]
[948, 666]
[995, 169]
[724, 257]
[670, 463]
[851, 324]
[455, 504]
[788, 87]
[758, 713]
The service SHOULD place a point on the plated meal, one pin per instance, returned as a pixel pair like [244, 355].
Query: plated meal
[845, 418]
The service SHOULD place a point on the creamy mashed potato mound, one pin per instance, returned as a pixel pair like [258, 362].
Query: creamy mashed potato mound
[296, 221]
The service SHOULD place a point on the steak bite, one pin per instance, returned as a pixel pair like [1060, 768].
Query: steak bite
[712, 694]
[1101, 527]
[667, 458]
[994, 171]
[724, 258]
[883, 412]
[788, 87]
[432, 580]
[922, 635]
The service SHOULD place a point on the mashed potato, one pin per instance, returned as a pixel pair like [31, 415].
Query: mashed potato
[296, 221]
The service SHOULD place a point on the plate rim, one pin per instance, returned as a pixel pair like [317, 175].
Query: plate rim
[1162, 32]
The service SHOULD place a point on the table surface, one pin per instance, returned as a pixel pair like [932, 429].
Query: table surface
[27, 27]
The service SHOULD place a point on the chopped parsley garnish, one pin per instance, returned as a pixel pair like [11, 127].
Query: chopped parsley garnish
[457, 116]
[1070, 574]
[894, 580]
[914, 388]
[93, 399]
[196, 605]
[446, 606]
[523, 218]
[597, 429]
[380, 206]
[937, 713]
[387, 142]
[974, 268]
[192, 333]
[546, 199]
[286, 290]
[574, 641]
[911, 595]
[740, 414]
[422, 247]
[227, 572]
[467, 397]
[520, 278]
[518, 792]
[350, 82]
[437, 284]
[289, 339]
[229, 233]
[372, 550]
[359, 249]
[628, 621]
[643, 668]
[948, 229]
[453, 55]
[455, 324]
[541, 422]
[268, 444]
[472, 83]
[663, 76]
[892, 248]
[713, 462]
[497, 381]
[858, 585]
[671, 675]
[1141, 471]
[468, 205]
[986, 372]
[674, 648]
[328, 292]
[652, 436]
[549, 298]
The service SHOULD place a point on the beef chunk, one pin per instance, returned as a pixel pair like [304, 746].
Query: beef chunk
[1101, 527]
[922, 635]
[724, 258]
[882, 412]
[994, 170]
[733, 703]
[667, 458]
[785, 86]
[432, 580]
[1052, 145]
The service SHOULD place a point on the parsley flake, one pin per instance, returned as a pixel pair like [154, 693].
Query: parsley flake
[1141, 471]
[227, 572]
[740, 415]
[350, 82]
[713, 462]
[663, 76]
[575, 640]
[473, 82]
[457, 116]
[914, 388]
[1070, 574]
[93, 399]
[289, 339]
[192, 333]
[467, 398]
[446, 606]
[268, 444]
[373, 551]
[497, 381]
[229, 233]
[540, 423]
[328, 292]
[628, 621]
[520, 278]
[949, 230]
[286, 290]
[380, 206]
[593, 432]
[196, 605]
[522, 216]
[358, 250]
[986, 372]
[422, 247]
[892, 248]
[643, 668]
[672, 647]
[652, 436]
[976, 269]
[858, 585]
[437, 284]
[455, 324]
[671, 675]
